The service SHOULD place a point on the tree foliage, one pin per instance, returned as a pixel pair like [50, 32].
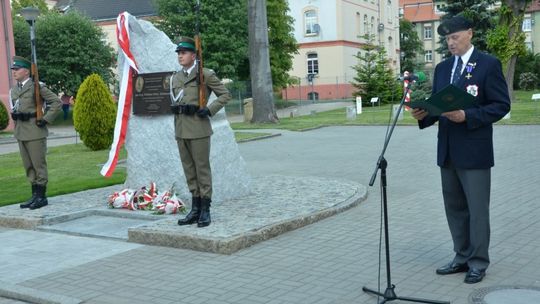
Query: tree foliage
[69, 48]
[281, 41]
[528, 63]
[94, 113]
[223, 31]
[507, 39]
[17, 5]
[4, 116]
[224, 34]
[410, 46]
[374, 76]
[479, 12]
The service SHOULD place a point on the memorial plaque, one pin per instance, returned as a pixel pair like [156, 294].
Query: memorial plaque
[151, 94]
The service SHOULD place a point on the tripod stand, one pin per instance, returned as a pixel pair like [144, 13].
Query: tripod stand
[389, 294]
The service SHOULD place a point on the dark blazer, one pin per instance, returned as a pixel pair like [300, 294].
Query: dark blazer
[469, 145]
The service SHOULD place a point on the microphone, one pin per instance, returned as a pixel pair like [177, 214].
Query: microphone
[420, 77]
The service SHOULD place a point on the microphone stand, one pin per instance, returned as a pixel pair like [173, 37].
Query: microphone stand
[389, 294]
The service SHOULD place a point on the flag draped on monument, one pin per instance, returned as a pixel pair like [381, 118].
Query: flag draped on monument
[124, 100]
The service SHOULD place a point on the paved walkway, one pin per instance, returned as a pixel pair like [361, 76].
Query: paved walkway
[326, 262]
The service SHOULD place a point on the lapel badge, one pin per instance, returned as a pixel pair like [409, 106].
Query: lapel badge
[472, 89]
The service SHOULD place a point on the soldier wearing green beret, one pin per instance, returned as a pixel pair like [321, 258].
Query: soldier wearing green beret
[193, 129]
[30, 132]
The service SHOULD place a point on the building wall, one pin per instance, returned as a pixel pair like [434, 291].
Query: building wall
[7, 50]
[342, 26]
[532, 32]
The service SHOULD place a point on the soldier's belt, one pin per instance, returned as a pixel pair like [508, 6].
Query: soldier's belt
[184, 109]
[22, 116]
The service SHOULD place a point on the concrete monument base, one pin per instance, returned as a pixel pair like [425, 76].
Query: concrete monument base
[277, 204]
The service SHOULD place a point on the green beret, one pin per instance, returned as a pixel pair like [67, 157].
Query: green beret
[186, 44]
[20, 62]
[454, 24]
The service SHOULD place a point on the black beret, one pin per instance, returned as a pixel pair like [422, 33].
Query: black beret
[454, 24]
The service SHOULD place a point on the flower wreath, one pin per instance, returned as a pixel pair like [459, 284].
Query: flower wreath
[147, 199]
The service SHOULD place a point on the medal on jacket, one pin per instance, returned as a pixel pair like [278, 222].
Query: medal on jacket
[175, 98]
[470, 67]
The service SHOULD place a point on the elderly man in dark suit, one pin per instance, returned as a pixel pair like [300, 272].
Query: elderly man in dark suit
[465, 146]
[30, 132]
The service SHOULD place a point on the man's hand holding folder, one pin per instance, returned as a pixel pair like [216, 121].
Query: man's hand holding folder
[449, 99]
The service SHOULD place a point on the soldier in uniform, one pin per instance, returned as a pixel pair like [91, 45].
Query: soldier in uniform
[30, 132]
[193, 129]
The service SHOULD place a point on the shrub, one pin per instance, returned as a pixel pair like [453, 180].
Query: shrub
[4, 116]
[94, 113]
[527, 81]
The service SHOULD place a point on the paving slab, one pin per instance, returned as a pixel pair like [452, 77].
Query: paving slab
[328, 262]
[277, 204]
[97, 226]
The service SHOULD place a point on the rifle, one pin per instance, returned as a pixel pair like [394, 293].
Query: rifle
[200, 74]
[37, 95]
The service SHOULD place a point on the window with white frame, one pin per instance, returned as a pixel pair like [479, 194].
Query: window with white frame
[366, 25]
[527, 25]
[358, 24]
[312, 63]
[389, 11]
[428, 56]
[310, 20]
[428, 32]
[372, 31]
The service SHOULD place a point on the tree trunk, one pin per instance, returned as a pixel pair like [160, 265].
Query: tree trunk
[259, 64]
[518, 10]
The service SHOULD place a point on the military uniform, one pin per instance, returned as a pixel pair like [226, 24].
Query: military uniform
[193, 131]
[32, 138]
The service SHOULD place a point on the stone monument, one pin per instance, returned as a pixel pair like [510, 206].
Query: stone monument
[150, 142]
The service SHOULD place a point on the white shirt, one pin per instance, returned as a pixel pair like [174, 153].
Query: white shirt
[188, 71]
[465, 59]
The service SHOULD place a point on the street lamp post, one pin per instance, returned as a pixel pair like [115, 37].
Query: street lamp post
[30, 14]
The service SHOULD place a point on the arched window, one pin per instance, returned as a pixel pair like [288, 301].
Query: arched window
[310, 21]
[372, 25]
[312, 63]
[366, 25]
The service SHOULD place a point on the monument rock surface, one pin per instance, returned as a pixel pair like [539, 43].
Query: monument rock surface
[150, 140]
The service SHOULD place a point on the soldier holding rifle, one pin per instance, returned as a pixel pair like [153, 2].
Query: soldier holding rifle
[27, 101]
[189, 88]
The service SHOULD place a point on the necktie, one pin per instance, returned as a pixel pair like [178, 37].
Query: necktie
[457, 71]
[185, 73]
[19, 85]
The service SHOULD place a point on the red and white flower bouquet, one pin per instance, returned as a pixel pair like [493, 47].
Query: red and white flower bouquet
[147, 198]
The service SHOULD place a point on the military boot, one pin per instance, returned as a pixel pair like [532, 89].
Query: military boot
[193, 215]
[41, 199]
[32, 199]
[204, 218]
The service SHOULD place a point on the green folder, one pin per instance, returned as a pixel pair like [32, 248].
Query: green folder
[450, 98]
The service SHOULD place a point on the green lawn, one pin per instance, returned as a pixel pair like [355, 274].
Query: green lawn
[524, 111]
[75, 168]
[72, 168]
